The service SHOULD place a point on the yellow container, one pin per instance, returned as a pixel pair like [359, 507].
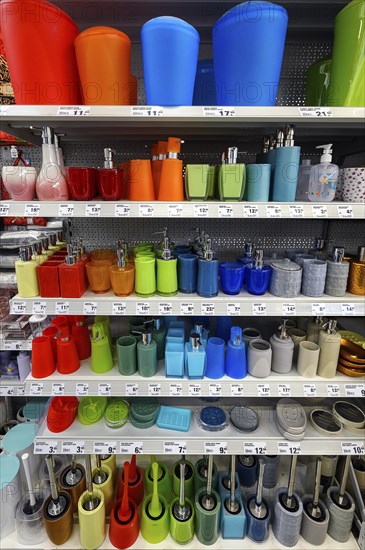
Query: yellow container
[92, 524]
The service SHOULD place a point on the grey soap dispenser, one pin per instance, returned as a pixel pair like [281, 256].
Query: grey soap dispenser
[282, 350]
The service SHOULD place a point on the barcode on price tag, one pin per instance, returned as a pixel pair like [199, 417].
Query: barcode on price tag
[93, 210]
[122, 210]
[131, 447]
[353, 448]
[318, 310]
[296, 211]
[315, 112]
[142, 308]
[45, 447]
[186, 309]
[355, 390]
[221, 112]
[215, 448]
[90, 308]
[4, 209]
[62, 308]
[250, 211]
[208, 308]
[289, 309]
[284, 390]
[82, 389]
[174, 210]
[254, 448]
[36, 388]
[165, 308]
[32, 210]
[347, 309]
[18, 307]
[146, 210]
[154, 390]
[66, 110]
[225, 211]
[234, 309]
[273, 210]
[263, 390]
[333, 390]
[174, 447]
[215, 390]
[66, 210]
[20, 391]
[201, 210]
[289, 448]
[319, 211]
[259, 309]
[147, 110]
[309, 390]
[236, 390]
[131, 390]
[175, 390]
[6, 391]
[195, 390]
[39, 308]
[105, 447]
[119, 308]
[345, 211]
[73, 447]
[104, 389]
[58, 388]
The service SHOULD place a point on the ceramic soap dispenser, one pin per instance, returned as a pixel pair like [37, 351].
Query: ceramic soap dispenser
[207, 285]
[147, 355]
[282, 350]
[51, 184]
[329, 344]
[236, 365]
[258, 275]
[171, 186]
[26, 274]
[166, 278]
[195, 358]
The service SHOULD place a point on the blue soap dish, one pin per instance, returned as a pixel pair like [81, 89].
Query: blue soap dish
[173, 418]
[213, 419]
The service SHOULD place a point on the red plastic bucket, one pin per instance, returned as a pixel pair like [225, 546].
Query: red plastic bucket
[38, 40]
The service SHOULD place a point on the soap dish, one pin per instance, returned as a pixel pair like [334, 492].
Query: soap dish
[91, 409]
[174, 418]
[244, 419]
[213, 419]
[325, 422]
[116, 413]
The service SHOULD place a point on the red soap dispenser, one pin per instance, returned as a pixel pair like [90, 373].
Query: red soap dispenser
[124, 524]
[80, 335]
[72, 276]
[110, 179]
[67, 357]
[135, 482]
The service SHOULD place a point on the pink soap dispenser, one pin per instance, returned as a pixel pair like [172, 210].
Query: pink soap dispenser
[51, 183]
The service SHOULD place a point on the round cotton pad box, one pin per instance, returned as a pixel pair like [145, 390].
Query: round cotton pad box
[244, 419]
[212, 419]
[325, 422]
[348, 414]
[291, 416]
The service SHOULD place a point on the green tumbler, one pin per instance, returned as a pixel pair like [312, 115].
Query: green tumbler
[145, 276]
[101, 355]
[164, 481]
[166, 276]
[196, 182]
[127, 355]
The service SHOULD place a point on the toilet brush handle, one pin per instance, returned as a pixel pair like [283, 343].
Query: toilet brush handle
[317, 485]
[52, 477]
[210, 476]
[344, 479]
[260, 482]
[233, 478]
[182, 484]
[293, 465]
[28, 477]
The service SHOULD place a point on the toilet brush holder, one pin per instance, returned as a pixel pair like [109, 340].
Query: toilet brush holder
[246, 467]
[135, 483]
[189, 479]
[124, 524]
[73, 481]
[91, 511]
[181, 509]
[314, 530]
[233, 516]
[287, 519]
[200, 475]
[155, 523]
[57, 510]
[341, 516]
[164, 481]
[271, 475]
[103, 480]
[257, 510]
[207, 520]
[224, 485]
[111, 461]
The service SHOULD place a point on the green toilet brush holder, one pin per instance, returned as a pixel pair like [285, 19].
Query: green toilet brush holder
[207, 511]
[182, 511]
[189, 478]
[201, 474]
[155, 524]
[163, 480]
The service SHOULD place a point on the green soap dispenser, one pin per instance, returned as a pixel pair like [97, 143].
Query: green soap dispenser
[159, 336]
[231, 177]
[104, 320]
[147, 355]
[101, 355]
[166, 271]
[155, 523]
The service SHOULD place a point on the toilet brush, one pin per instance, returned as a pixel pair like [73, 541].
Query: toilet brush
[73, 481]
[201, 474]
[57, 510]
[188, 479]
[224, 481]
[164, 480]
[182, 511]
[341, 507]
[124, 524]
[155, 514]
[91, 509]
[315, 513]
[111, 461]
[207, 510]
[233, 517]
[246, 467]
[258, 510]
[135, 483]
[288, 510]
[102, 477]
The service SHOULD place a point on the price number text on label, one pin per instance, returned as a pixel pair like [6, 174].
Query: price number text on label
[142, 308]
[319, 211]
[250, 211]
[131, 390]
[296, 211]
[119, 308]
[131, 447]
[45, 447]
[175, 390]
[234, 309]
[289, 309]
[105, 447]
[201, 210]
[236, 390]
[32, 210]
[174, 210]
[165, 308]
[66, 210]
[73, 447]
[254, 448]
[186, 309]
[208, 309]
[259, 309]
[154, 389]
[353, 448]
[93, 210]
[195, 390]
[309, 390]
[273, 211]
[62, 308]
[122, 210]
[82, 389]
[174, 447]
[215, 448]
[146, 210]
[263, 390]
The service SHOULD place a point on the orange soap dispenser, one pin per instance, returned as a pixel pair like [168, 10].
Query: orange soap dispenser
[171, 181]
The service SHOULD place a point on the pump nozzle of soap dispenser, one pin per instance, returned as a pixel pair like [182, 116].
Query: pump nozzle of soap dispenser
[271, 142]
[265, 144]
[109, 155]
[330, 327]
[338, 254]
[327, 152]
[258, 260]
[279, 138]
[289, 136]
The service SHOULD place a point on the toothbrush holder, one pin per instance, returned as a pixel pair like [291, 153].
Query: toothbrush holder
[215, 362]
[258, 182]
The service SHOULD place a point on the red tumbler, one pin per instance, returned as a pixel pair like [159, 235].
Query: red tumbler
[110, 184]
[67, 357]
[80, 335]
[51, 333]
[43, 363]
[81, 183]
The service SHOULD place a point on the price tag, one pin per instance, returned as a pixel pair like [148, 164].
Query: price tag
[10, 345]
[65, 110]
[31, 210]
[131, 447]
[104, 389]
[215, 448]
[4, 209]
[254, 448]
[318, 309]
[263, 390]
[353, 448]
[119, 308]
[215, 390]
[234, 309]
[93, 210]
[146, 210]
[201, 210]
[147, 110]
[66, 210]
[309, 390]
[273, 210]
[284, 390]
[62, 308]
[165, 308]
[82, 389]
[105, 447]
[250, 211]
[131, 390]
[175, 390]
[4, 110]
[345, 211]
[289, 309]
[207, 309]
[122, 210]
[175, 210]
[259, 309]
[296, 211]
[90, 308]
[225, 211]
[36, 388]
[355, 390]
[236, 390]
[58, 388]
[20, 391]
[319, 210]
[5, 391]
[289, 448]
[45, 447]
[195, 390]
[142, 308]
[18, 307]
[347, 309]
[333, 390]
[154, 390]
[39, 308]
[187, 309]
[174, 447]
[73, 447]
[221, 112]
[315, 112]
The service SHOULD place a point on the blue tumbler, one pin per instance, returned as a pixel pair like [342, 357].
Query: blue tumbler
[215, 358]
[170, 49]
[187, 270]
[258, 182]
[223, 327]
[248, 47]
[285, 175]
[257, 280]
[207, 278]
[236, 365]
[204, 89]
[231, 276]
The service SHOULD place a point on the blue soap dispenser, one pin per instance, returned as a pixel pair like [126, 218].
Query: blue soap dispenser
[198, 328]
[195, 358]
[236, 366]
[258, 275]
[286, 167]
[207, 286]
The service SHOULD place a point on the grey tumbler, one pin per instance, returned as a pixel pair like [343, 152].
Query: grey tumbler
[314, 278]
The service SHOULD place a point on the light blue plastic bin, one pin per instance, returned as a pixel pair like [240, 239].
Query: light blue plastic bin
[204, 89]
[170, 50]
[248, 47]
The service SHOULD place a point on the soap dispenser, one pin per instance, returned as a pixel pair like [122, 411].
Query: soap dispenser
[37, 255]
[72, 276]
[247, 258]
[329, 344]
[231, 177]
[282, 350]
[303, 180]
[207, 285]
[166, 278]
[236, 366]
[314, 326]
[26, 274]
[45, 248]
[122, 274]
[258, 275]
[147, 355]
[59, 155]
[51, 184]
[286, 168]
[323, 177]
[171, 181]
[101, 355]
[195, 358]
[337, 273]
[201, 331]
[109, 178]
[159, 336]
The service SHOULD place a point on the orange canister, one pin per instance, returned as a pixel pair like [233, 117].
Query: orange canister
[103, 60]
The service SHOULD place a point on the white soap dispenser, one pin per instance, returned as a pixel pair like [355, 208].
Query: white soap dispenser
[329, 343]
[323, 177]
[51, 184]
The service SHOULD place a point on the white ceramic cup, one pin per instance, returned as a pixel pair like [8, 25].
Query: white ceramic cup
[308, 359]
[297, 335]
[20, 182]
